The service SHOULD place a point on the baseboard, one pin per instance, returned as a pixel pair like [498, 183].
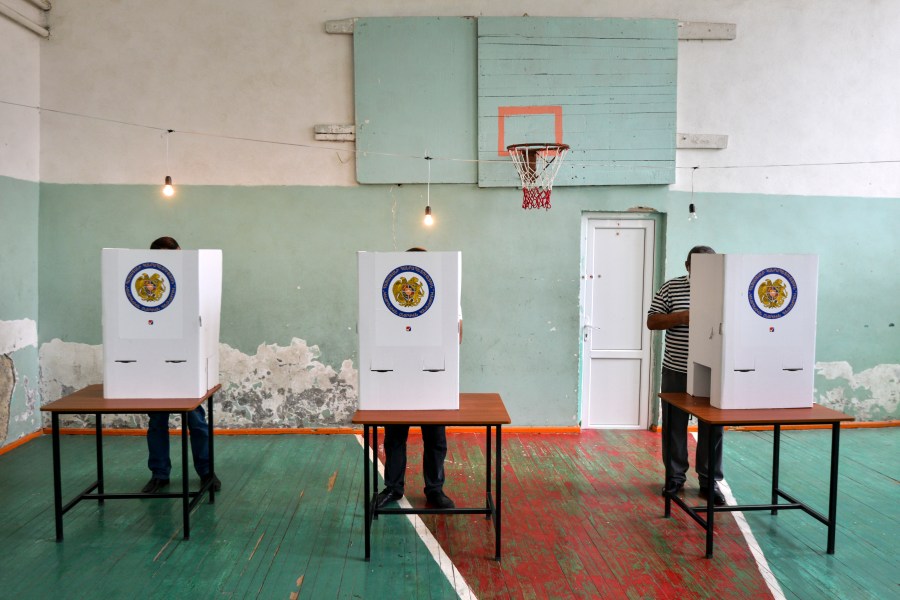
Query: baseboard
[20, 441]
[845, 425]
[308, 430]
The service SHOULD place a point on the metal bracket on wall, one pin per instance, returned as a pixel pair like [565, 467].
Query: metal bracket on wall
[697, 141]
[335, 133]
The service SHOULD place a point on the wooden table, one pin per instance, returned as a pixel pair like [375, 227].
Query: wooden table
[474, 410]
[817, 415]
[90, 400]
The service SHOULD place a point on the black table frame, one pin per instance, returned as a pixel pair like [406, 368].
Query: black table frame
[491, 508]
[708, 523]
[188, 499]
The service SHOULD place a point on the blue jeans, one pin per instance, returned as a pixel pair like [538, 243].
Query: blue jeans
[158, 443]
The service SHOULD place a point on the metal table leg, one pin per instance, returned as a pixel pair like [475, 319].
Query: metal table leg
[666, 423]
[710, 486]
[98, 421]
[212, 455]
[776, 461]
[487, 476]
[57, 484]
[367, 499]
[832, 488]
[185, 497]
[499, 503]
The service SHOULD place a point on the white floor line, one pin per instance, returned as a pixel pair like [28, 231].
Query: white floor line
[761, 563]
[440, 557]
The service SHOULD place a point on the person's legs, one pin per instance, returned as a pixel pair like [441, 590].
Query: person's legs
[196, 422]
[716, 431]
[158, 446]
[434, 440]
[674, 429]
[395, 457]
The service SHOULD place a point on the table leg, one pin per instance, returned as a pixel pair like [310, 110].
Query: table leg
[487, 454]
[212, 455]
[710, 486]
[776, 461]
[98, 421]
[832, 489]
[498, 505]
[57, 483]
[367, 499]
[185, 495]
[667, 420]
[374, 466]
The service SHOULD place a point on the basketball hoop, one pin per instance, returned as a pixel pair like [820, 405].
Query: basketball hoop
[537, 165]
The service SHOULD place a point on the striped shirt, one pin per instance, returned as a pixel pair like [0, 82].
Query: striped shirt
[674, 295]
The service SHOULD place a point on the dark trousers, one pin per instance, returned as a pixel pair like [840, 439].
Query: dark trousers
[158, 443]
[434, 438]
[674, 429]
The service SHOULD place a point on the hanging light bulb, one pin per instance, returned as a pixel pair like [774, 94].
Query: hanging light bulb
[168, 191]
[428, 220]
[692, 213]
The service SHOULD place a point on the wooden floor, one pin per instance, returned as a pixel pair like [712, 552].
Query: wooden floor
[582, 519]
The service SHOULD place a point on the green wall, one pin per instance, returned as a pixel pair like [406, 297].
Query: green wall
[19, 300]
[290, 268]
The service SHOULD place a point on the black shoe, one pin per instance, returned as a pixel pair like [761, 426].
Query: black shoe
[215, 485]
[385, 497]
[672, 487]
[439, 500]
[718, 496]
[154, 485]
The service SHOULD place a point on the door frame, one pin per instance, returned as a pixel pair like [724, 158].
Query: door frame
[656, 268]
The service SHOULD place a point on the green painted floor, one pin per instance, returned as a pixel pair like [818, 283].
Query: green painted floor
[288, 523]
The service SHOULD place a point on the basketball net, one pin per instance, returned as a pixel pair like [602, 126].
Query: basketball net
[537, 165]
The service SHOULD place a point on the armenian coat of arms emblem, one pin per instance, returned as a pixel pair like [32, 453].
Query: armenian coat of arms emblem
[408, 291]
[150, 287]
[772, 293]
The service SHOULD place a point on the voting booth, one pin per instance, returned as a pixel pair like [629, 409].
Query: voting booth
[408, 330]
[753, 329]
[160, 322]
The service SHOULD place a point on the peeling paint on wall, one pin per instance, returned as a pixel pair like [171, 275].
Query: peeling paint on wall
[277, 387]
[870, 395]
[7, 385]
[17, 334]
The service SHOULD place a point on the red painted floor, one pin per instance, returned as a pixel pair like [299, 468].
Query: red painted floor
[582, 518]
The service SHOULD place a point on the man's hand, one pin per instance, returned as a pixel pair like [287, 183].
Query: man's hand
[668, 321]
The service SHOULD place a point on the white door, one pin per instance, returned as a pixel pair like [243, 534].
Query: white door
[617, 290]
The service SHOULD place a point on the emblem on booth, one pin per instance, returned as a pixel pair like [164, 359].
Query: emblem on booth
[150, 287]
[771, 296]
[408, 291]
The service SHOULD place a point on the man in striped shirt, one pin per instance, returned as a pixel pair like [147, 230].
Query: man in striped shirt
[670, 310]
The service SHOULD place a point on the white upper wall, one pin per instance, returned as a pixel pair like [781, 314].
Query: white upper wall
[806, 81]
[20, 84]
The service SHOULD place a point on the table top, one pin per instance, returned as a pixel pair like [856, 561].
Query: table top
[474, 409]
[91, 400]
[700, 408]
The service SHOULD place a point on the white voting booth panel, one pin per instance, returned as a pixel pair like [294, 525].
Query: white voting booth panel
[753, 329]
[408, 330]
[160, 322]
